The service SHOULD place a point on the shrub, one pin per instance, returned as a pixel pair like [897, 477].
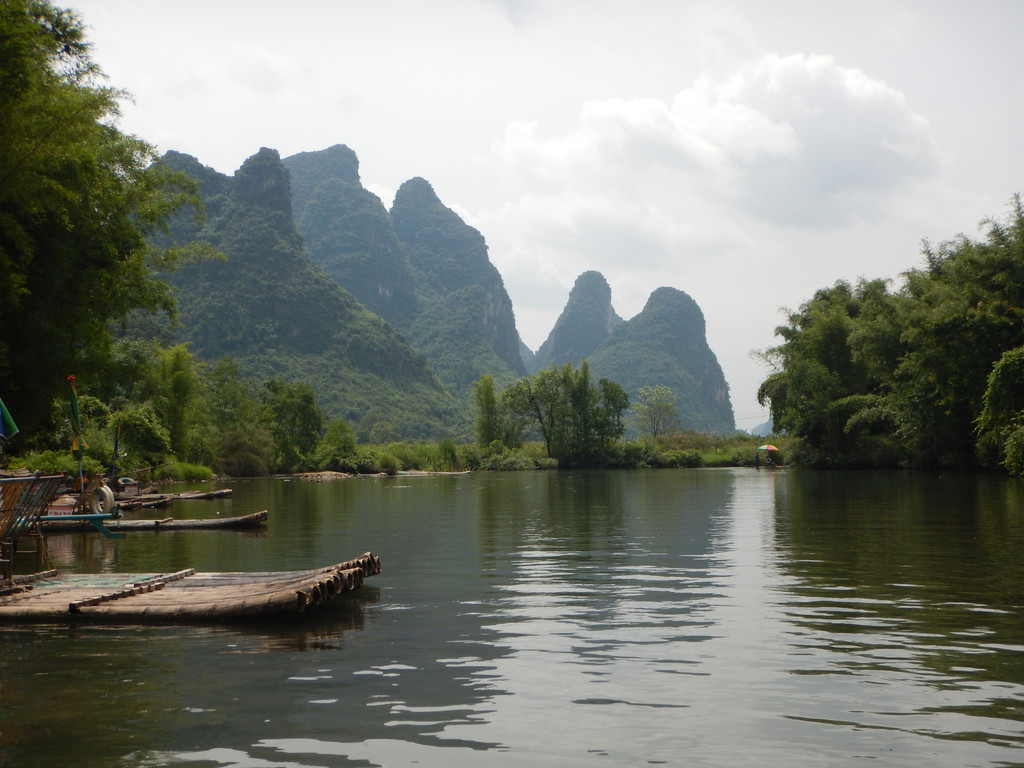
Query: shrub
[507, 461]
[448, 457]
[56, 463]
[389, 464]
[470, 456]
[248, 453]
[183, 472]
[370, 462]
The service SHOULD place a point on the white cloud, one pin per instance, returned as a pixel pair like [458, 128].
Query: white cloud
[706, 191]
[857, 140]
[797, 140]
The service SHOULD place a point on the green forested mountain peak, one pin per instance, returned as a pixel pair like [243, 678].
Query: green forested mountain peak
[276, 313]
[666, 345]
[264, 182]
[447, 253]
[424, 271]
[465, 322]
[587, 319]
[211, 181]
[309, 169]
[419, 266]
[348, 232]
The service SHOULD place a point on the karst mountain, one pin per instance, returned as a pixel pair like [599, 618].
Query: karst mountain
[393, 314]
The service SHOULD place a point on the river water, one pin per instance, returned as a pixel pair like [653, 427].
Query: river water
[668, 617]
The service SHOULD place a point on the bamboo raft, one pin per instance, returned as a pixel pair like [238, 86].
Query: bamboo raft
[182, 596]
[253, 520]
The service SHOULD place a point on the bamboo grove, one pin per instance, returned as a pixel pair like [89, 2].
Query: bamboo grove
[928, 374]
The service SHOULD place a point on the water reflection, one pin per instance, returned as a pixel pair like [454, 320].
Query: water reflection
[599, 595]
[905, 595]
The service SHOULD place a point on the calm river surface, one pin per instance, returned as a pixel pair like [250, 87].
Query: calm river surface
[670, 617]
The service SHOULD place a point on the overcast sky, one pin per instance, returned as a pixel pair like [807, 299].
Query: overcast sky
[748, 153]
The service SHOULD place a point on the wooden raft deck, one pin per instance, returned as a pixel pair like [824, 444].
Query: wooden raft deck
[183, 596]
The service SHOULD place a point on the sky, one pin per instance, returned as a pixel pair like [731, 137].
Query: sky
[747, 153]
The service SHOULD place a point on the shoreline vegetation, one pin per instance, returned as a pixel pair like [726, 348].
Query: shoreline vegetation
[678, 450]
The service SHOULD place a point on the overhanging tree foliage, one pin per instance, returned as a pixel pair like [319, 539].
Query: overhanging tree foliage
[77, 199]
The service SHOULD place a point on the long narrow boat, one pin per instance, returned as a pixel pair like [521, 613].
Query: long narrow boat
[183, 596]
[166, 499]
[53, 524]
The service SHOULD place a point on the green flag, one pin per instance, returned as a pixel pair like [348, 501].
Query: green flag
[7, 426]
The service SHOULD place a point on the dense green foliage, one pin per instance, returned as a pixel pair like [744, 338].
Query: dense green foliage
[927, 375]
[77, 200]
[579, 419]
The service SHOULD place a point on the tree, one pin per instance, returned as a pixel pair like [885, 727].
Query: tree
[77, 199]
[655, 410]
[865, 376]
[577, 419]
[488, 413]
[237, 424]
[231, 402]
[295, 421]
[337, 447]
[246, 452]
[539, 398]
[178, 399]
[612, 404]
[964, 310]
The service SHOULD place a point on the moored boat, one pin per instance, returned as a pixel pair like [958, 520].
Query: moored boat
[58, 524]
